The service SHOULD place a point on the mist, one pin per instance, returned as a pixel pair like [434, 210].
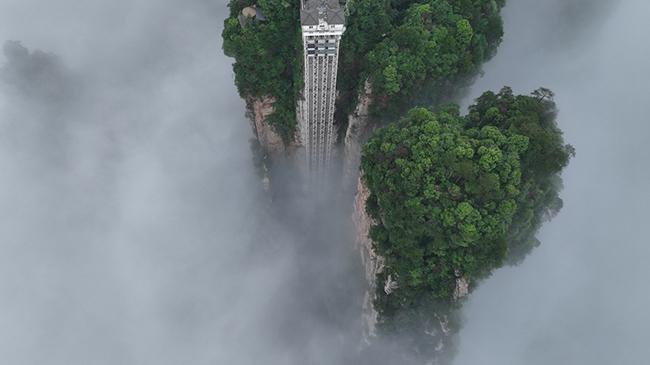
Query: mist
[134, 229]
[581, 297]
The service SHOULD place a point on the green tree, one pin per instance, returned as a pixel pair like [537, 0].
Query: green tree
[457, 197]
[415, 52]
[268, 57]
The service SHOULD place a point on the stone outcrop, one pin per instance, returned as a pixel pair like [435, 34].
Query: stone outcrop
[272, 144]
[360, 128]
[372, 263]
[390, 285]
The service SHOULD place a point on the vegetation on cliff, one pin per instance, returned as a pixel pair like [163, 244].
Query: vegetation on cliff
[456, 197]
[268, 57]
[415, 52]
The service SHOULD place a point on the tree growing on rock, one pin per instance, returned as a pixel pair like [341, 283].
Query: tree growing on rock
[457, 197]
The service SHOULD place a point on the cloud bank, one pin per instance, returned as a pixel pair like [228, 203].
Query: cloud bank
[134, 230]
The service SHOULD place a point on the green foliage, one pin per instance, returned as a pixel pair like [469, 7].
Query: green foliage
[460, 196]
[537, 138]
[268, 57]
[415, 52]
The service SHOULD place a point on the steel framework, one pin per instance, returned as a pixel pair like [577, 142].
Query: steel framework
[322, 27]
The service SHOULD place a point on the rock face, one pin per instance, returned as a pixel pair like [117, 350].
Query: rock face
[359, 129]
[271, 142]
[373, 263]
[437, 332]
[390, 285]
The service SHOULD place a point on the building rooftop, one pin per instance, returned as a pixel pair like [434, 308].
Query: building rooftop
[309, 17]
[314, 4]
[314, 12]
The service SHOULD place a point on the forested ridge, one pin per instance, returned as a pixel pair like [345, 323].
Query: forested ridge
[455, 197]
[268, 57]
[415, 52]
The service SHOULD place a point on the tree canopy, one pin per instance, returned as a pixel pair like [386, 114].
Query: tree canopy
[268, 57]
[415, 52]
[456, 197]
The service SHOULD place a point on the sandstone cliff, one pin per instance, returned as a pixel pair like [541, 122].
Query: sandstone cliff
[272, 144]
[438, 331]
[372, 263]
[359, 130]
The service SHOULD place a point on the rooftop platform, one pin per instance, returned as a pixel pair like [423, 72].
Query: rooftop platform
[315, 12]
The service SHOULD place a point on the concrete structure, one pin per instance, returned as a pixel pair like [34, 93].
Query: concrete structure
[323, 24]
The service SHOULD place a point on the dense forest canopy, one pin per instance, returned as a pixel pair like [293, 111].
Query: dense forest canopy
[456, 197]
[413, 52]
[453, 198]
[417, 52]
[268, 57]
